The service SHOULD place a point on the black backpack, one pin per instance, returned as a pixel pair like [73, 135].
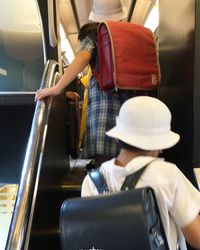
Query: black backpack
[127, 220]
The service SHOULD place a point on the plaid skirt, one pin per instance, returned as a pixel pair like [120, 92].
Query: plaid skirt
[103, 107]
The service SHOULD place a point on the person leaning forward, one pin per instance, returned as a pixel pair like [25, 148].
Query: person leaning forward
[143, 130]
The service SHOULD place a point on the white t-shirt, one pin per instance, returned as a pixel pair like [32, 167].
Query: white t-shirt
[178, 199]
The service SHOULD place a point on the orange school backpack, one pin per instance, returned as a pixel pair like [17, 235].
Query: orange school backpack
[127, 57]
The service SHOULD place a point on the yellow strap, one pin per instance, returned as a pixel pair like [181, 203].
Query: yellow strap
[85, 81]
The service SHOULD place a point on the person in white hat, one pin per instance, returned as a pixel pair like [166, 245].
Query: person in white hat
[102, 106]
[143, 130]
[103, 10]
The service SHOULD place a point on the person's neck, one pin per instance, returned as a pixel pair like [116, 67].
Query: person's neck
[125, 156]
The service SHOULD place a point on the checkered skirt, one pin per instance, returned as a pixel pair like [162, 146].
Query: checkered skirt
[103, 107]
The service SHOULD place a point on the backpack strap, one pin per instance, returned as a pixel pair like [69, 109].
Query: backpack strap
[99, 181]
[94, 63]
[132, 179]
[129, 182]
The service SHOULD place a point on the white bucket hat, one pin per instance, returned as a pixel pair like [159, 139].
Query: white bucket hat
[144, 122]
[108, 10]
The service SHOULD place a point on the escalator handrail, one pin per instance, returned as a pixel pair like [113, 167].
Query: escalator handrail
[17, 233]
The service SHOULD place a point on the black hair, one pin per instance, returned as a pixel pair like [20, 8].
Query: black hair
[88, 29]
[124, 145]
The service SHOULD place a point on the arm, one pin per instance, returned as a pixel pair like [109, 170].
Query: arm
[192, 233]
[79, 63]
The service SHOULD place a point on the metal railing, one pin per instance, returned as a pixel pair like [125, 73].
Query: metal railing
[20, 219]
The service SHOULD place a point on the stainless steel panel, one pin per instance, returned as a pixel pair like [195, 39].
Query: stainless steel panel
[177, 51]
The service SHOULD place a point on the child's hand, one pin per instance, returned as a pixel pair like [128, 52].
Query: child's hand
[42, 93]
[72, 95]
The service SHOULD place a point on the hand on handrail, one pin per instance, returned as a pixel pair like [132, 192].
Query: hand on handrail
[42, 93]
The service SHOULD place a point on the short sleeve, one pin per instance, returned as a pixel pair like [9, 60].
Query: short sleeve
[186, 204]
[88, 44]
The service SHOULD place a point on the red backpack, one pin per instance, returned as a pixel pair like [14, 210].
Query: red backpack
[127, 57]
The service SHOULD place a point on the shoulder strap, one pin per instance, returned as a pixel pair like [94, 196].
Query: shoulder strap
[132, 179]
[99, 181]
[94, 64]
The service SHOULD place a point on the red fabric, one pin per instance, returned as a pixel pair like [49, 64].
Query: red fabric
[106, 67]
[134, 56]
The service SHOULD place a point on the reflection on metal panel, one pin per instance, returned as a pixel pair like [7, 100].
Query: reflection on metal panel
[21, 47]
[176, 54]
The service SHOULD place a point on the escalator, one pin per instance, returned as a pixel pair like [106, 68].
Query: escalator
[45, 229]
[34, 154]
[34, 158]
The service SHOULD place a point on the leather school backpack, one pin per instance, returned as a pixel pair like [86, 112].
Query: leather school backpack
[127, 57]
[127, 220]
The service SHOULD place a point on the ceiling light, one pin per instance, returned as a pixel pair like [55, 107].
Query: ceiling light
[152, 20]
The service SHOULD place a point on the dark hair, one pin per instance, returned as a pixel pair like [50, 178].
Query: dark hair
[88, 29]
[127, 146]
